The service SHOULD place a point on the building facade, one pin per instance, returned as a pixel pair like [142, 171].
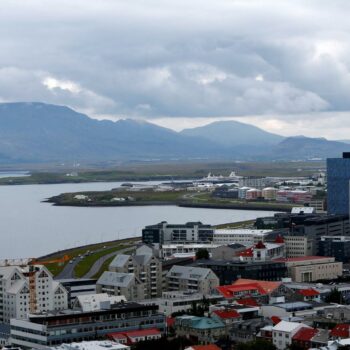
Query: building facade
[121, 283]
[338, 177]
[147, 270]
[312, 268]
[51, 329]
[177, 233]
[193, 279]
[337, 246]
[230, 271]
[29, 289]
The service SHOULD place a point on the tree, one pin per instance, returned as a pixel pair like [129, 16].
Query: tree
[257, 344]
[202, 254]
[335, 297]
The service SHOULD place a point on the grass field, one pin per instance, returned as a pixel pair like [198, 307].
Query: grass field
[167, 171]
[84, 265]
[235, 225]
[55, 268]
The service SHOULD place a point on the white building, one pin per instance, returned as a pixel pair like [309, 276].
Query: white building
[246, 237]
[185, 250]
[29, 289]
[283, 333]
[91, 345]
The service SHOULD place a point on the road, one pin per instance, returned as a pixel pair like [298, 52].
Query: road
[68, 270]
[98, 264]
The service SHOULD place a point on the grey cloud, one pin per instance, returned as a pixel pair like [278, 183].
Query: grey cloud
[184, 58]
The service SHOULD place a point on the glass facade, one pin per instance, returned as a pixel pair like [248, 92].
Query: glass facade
[338, 177]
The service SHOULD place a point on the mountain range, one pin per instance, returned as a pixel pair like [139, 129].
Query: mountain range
[38, 132]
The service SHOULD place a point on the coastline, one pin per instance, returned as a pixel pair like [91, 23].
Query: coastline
[237, 206]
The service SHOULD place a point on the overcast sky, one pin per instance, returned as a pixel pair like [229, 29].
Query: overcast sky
[280, 65]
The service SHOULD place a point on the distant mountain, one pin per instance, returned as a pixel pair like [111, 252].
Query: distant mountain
[301, 147]
[38, 132]
[232, 133]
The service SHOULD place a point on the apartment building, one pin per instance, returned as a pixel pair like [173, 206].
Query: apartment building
[29, 289]
[146, 268]
[121, 283]
[194, 279]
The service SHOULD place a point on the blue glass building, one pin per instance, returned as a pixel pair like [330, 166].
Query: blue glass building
[338, 177]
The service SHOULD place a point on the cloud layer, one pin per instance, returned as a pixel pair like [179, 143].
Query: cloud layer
[286, 61]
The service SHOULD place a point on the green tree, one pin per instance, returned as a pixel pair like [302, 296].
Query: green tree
[335, 297]
[202, 254]
[257, 344]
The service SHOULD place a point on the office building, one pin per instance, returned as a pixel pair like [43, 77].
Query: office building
[66, 326]
[312, 268]
[246, 237]
[192, 232]
[338, 177]
[336, 246]
[229, 271]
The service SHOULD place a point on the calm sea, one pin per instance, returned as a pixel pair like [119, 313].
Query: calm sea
[30, 228]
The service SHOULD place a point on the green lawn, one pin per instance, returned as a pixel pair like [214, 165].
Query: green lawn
[84, 265]
[56, 268]
[233, 225]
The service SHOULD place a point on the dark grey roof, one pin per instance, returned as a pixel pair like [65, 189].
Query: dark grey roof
[116, 279]
[120, 260]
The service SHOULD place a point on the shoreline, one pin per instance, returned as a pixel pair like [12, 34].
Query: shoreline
[237, 206]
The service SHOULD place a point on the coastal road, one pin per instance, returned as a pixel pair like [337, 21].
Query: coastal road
[98, 264]
[68, 271]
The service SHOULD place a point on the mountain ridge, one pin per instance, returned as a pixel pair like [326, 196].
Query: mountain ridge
[39, 132]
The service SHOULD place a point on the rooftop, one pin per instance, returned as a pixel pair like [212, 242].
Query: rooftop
[227, 314]
[285, 326]
[301, 258]
[341, 330]
[91, 345]
[308, 292]
[305, 334]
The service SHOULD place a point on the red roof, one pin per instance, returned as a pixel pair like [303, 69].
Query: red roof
[249, 286]
[170, 321]
[341, 330]
[246, 253]
[205, 347]
[305, 334]
[275, 320]
[134, 334]
[248, 302]
[300, 258]
[279, 239]
[308, 292]
[227, 314]
[260, 245]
